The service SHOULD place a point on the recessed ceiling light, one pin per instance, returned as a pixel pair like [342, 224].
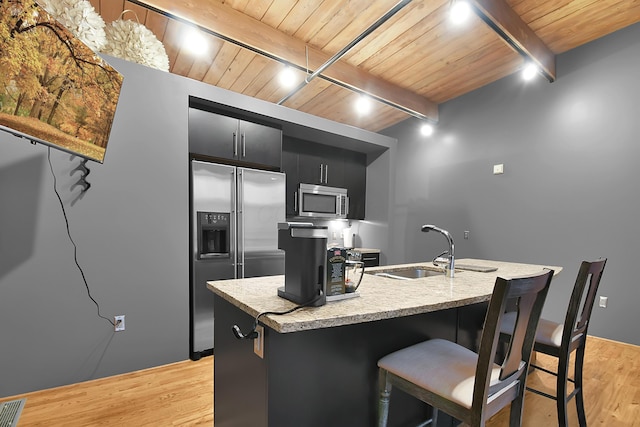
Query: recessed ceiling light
[363, 104]
[459, 12]
[195, 42]
[529, 71]
[287, 77]
[426, 129]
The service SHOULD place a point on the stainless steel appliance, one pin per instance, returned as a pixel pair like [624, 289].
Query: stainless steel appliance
[322, 202]
[234, 234]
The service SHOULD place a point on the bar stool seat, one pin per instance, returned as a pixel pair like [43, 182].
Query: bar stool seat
[450, 369]
[548, 333]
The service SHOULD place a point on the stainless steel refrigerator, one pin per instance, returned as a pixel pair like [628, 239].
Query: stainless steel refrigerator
[234, 234]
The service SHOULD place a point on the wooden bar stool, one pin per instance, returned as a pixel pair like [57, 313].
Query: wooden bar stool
[466, 385]
[562, 339]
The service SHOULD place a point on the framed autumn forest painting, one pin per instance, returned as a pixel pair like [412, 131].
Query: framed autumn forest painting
[53, 88]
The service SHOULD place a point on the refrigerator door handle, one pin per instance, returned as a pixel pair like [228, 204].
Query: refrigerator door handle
[239, 203]
[234, 226]
[235, 144]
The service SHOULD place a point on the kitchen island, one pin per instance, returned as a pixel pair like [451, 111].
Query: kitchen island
[318, 364]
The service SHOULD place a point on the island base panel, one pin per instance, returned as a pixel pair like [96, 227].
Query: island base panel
[317, 377]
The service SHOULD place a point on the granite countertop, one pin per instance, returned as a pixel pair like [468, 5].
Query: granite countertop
[380, 297]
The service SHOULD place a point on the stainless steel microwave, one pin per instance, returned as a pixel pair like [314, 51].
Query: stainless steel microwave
[319, 201]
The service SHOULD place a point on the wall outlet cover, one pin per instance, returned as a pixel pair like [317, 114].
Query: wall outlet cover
[118, 323]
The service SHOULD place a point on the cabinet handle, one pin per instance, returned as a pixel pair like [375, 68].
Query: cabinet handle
[295, 202]
[326, 174]
[321, 173]
[244, 145]
[235, 144]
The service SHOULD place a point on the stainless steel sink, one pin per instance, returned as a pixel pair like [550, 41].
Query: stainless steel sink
[408, 273]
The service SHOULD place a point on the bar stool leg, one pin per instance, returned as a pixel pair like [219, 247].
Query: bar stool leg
[561, 391]
[383, 400]
[582, 419]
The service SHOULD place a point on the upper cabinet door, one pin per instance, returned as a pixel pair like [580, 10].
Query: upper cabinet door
[290, 168]
[355, 179]
[260, 144]
[212, 134]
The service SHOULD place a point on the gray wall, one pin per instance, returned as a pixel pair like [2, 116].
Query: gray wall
[131, 229]
[570, 188]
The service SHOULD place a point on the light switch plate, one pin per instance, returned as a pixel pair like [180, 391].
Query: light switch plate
[498, 169]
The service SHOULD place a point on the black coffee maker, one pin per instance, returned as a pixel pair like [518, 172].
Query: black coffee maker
[305, 262]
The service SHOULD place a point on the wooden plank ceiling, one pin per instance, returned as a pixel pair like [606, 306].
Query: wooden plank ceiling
[414, 61]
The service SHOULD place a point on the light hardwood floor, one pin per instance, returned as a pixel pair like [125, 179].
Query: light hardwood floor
[181, 394]
[611, 378]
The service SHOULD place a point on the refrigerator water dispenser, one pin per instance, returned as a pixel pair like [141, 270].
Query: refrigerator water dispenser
[213, 235]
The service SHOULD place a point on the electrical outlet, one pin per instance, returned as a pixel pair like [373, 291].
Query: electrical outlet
[466, 235]
[498, 169]
[118, 323]
[258, 343]
[603, 302]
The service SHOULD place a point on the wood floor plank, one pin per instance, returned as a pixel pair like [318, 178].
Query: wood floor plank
[181, 394]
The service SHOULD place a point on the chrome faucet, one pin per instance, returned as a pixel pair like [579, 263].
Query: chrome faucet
[451, 259]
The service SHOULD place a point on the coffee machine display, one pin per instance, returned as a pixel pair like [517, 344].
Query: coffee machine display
[305, 262]
[213, 235]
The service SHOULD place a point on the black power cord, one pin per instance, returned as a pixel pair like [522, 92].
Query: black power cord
[75, 248]
[253, 334]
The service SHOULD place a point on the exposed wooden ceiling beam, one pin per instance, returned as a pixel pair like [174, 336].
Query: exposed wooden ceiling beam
[508, 24]
[236, 27]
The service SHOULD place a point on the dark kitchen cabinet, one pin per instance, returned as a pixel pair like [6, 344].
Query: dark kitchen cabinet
[225, 137]
[321, 165]
[355, 181]
[290, 168]
[312, 163]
